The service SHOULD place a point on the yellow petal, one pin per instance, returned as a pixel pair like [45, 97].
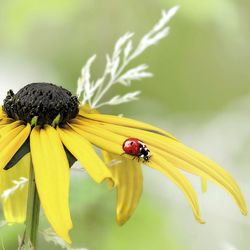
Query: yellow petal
[203, 185]
[51, 170]
[2, 113]
[82, 127]
[183, 157]
[86, 109]
[6, 128]
[126, 122]
[15, 204]
[84, 152]
[128, 176]
[5, 120]
[112, 142]
[180, 180]
[11, 142]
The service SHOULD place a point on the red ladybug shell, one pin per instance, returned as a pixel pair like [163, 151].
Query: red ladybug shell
[132, 146]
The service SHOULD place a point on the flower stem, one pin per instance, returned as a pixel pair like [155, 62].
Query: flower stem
[32, 216]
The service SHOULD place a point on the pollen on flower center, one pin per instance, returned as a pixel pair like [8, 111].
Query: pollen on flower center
[43, 103]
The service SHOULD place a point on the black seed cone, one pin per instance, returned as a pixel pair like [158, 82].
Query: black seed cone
[42, 100]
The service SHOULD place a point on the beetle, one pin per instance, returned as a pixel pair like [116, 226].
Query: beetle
[137, 148]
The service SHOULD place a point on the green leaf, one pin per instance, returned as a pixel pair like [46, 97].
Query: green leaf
[25, 149]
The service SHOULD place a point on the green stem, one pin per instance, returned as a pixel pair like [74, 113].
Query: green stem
[32, 216]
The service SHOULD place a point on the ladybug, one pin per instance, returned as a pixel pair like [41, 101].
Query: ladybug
[137, 148]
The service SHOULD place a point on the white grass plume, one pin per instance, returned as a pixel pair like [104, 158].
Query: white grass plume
[18, 184]
[50, 236]
[117, 71]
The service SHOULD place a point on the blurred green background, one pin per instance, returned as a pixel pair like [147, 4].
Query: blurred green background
[200, 92]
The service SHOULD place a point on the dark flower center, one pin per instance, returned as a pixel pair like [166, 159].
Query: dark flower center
[41, 103]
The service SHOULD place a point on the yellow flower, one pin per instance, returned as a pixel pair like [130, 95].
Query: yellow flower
[43, 124]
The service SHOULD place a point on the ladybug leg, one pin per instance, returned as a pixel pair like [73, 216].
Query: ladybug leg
[122, 154]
